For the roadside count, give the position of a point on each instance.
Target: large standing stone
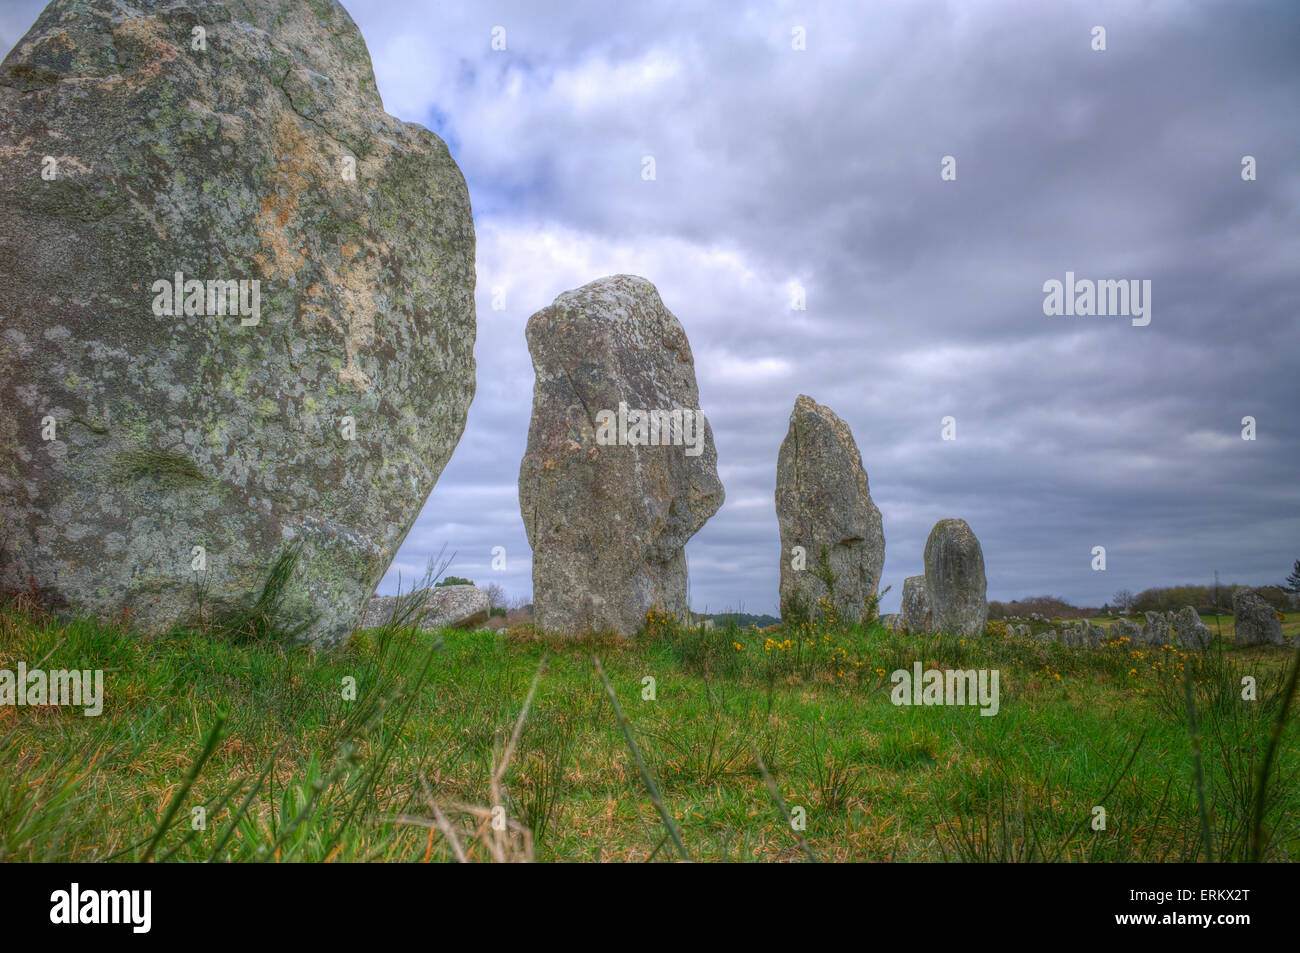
(915, 610)
(828, 523)
(1189, 631)
(1254, 621)
(131, 433)
(442, 607)
(955, 586)
(620, 469)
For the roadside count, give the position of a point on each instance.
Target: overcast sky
(820, 167)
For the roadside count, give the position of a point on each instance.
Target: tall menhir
(620, 469)
(236, 310)
(832, 535)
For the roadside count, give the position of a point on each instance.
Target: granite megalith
(1156, 630)
(1125, 629)
(236, 310)
(832, 536)
(915, 611)
(955, 585)
(1254, 621)
(439, 607)
(620, 468)
(1189, 631)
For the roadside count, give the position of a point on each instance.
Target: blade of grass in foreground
(209, 746)
(644, 771)
(1197, 767)
(1261, 788)
(498, 772)
(780, 803)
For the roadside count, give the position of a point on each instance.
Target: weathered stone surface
(232, 163)
(891, 620)
(1189, 631)
(608, 521)
(1156, 631)
(915, 609)
(1254, 620)
(445, 607)
(955, 586)
(824, 507)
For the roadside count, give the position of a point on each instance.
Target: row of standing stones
(608, 529)
(148, 457)
(1254, 623)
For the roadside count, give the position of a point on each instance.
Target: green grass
(286, 768)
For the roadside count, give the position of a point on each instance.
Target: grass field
(743, 732)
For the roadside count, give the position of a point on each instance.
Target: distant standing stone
(826, 516)
(915, 610)
(1189, 630)
(955, 585)
(445, 607)
(1126, 629)
(1254, 620)
(1083, 634)
(1156, 630)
